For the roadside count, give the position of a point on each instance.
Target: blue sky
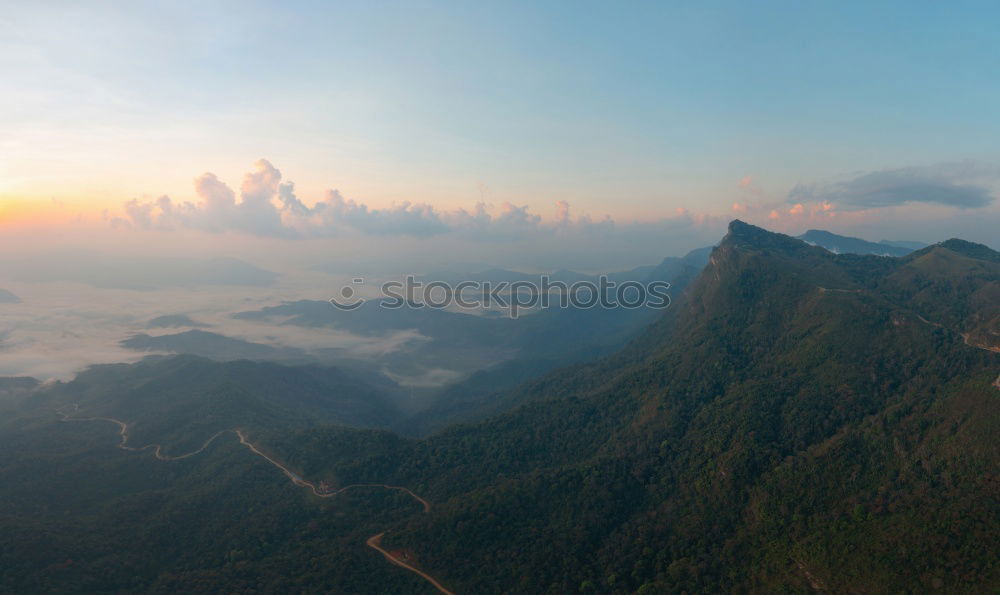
(631, 110)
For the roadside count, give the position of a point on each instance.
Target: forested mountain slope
(180, 401)
(798, 420)
(793, 423)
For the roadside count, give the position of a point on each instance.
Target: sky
(207, 158)
(580, 134)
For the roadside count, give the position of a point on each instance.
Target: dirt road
(373, 542)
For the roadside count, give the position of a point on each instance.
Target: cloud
(746, 184)
(965, 185)
(562, 212)
(217, 209)
(140, 213)
(62, 328)
(405, 218)
(256, 211)
(268, 206)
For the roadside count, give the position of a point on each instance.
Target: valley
(320, 492)
(796, 420)
(499, 298)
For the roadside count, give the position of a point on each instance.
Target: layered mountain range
(797, 420)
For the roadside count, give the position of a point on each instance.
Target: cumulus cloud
(965, 185)
(269, 206)
(259, 210)
(140, 213)
(746, 184)
(256, 211)
(562, 212)
(335, 212)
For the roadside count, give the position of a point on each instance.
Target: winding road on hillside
(965, 336)
(374, 542)
(965, 339)
(814, 582)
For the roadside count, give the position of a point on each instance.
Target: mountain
(17, 384)
(7, 297)
(682, 269)
(211, 345)
(797, 420)
(794, 423)
(552, 339)
(848, 245)
(909, 245)
(490, 355)
(173, 321)
(667, 270)
(954, 285)
(13, 389)
(182, 400)
(787, 424)
(491, 275)
(570, 277)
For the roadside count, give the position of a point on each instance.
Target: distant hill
(13, 388)
(7, 297)
(552, 339)
(17, 383)
(790, 423)
(955, 272)
(182, 400)
(904, 244)
(679, 271)
(211, 345)
(847, 245)
(669, 268)
(497, 352)
(173, 321)
(797, 421)
(493, 275)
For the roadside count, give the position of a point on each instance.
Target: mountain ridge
(796, 418)
(799, 365)
(845, 244)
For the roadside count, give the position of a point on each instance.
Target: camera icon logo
(348, 299)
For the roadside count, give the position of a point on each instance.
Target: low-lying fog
(59, 328)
